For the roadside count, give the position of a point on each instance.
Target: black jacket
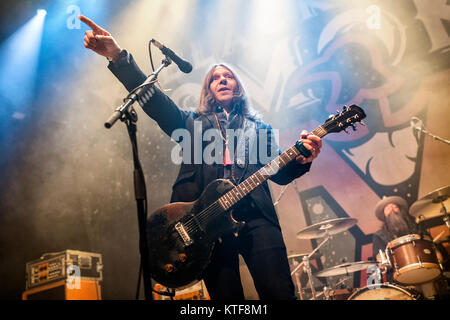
(193, 178)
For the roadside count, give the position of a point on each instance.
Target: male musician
(223, 105)
(393, 212)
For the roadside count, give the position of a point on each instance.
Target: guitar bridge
(183, 234)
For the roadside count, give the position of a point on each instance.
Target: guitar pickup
(183, 234)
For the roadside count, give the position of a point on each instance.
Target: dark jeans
(261, 245)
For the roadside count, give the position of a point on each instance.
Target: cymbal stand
(307, 267)
(328, 290)
(298, 282)
(446, 214)
(283, 191)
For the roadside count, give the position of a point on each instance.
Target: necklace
(226, 156)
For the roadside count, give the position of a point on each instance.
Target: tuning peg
(362, 123)
(345, 130)
(344, 108)
(353, 126)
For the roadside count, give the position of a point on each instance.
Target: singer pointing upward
(223, 105)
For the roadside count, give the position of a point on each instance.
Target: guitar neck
(248, 185)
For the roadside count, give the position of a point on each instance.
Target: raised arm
(159, 106)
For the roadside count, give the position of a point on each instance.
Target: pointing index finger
(90, 23)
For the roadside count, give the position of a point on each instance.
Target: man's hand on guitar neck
(313, 144)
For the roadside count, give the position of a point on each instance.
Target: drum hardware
(296, 273)
(328, 227)
(443, 254)
(301, 255)
(384, 291)
(326, 292)
(428, 290)
(413, 259)
(331, 291)
(345, 269)
(297, 280)
(324, 229)
(432, 205)
(384, 259)
(438, 236)
(283, 191)
(306, 266)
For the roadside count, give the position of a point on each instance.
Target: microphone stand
(128, 115)
(134, 95)
(422, 129)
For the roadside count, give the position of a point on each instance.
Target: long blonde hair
(208, 103)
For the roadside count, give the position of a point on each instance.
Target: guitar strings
(215, 208)
(191, 225)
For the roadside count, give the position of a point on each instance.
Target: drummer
(393, 212)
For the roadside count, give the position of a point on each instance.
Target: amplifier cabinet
(70, 265)
(62, 290)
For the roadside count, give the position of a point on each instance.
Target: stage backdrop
(67, 182)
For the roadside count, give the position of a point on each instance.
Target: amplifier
(62, 290)
(69, 265)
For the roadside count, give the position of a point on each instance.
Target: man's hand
(313, 144)
(100, 41)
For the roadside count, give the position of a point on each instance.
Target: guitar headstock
(348, 117)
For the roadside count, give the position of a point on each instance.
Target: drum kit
(420, 264)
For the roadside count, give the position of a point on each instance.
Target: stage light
(19, 55)
(41, 12)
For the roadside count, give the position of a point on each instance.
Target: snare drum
(413, 259)
(383, 292)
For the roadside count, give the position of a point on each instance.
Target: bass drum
(383, 292)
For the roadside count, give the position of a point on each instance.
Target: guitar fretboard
(230, 198)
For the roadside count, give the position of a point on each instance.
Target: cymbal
(430, 205)
(320, 230)
(345, 268)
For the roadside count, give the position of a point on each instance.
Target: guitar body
(176, 261)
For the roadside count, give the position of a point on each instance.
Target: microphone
(183, 65)
(416, 123)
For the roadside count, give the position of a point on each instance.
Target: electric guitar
(181, 235)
